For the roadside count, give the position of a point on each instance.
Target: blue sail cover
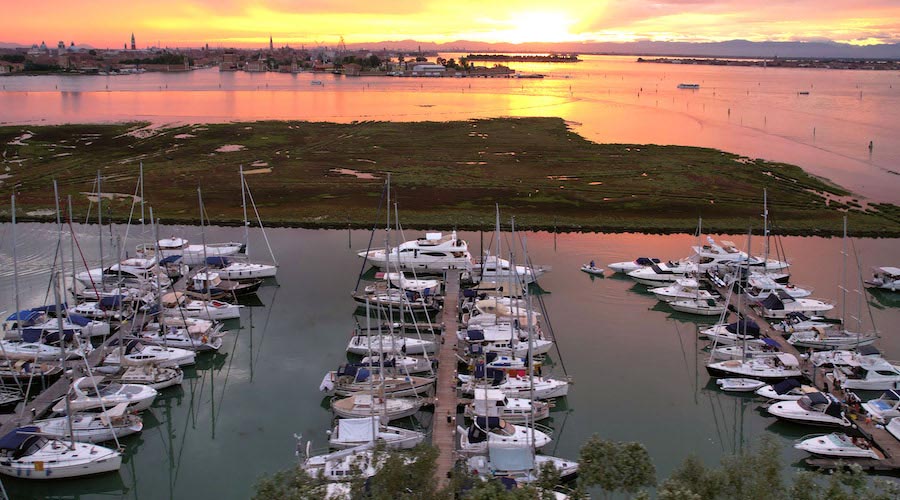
(50, 308)
(77, 319)
(26, 318)
(771, 343)
(475, 335)
(785, 386)
(362, 375)
(170, 260)
(111, 301)
(217, 261)
(14, 439)
(745, 326)
(487, 422)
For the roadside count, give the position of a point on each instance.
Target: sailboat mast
(371, 378)
(62, 255)
(16, 267)
(246, 221)
(765, 231)
(142, 200)
(62, 355)
(843, 286)
(530, 359)
(72, 242)
(100, 224)
(207, 281)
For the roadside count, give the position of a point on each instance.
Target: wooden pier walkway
(882, 439)
(443, 433)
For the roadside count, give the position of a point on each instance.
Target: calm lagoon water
(637, 367)
(751, 111)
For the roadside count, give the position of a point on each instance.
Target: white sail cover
(357, 429)
(510, 457)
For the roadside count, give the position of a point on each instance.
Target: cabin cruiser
(494, 403)
(885, 278)
(177, 304)
(516, 387)
(134, 352)
(815, 408)
(423, 287)
(230, 269)
(759, 287)
(883, 408)
(739, 384)
(838, 445)
(662, 274)
(193, 334)
(737, 332)
(501, 341)
(726, 254)
(773, 368)
(682, 289)
(135, 271)
(634, 265)
(192, 255)
(116, 422)
(518, 463)
(798, 322)
(702, 307)
(868, 373)
(492, 268)
(351, 432)
(786, 390)
(779, 305)
(830, 338)
(363, 345)
(367, 405)
(433, 253)
(95, 392)
(494, 430)
(26, 454)
(209, 286)
(399, 301)
(350, 379)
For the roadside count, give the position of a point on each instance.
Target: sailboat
(352, 432)
(494, 430)
(113, 423)
(25, 453)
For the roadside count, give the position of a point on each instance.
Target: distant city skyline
(250, 23)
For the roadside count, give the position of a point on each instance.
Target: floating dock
(443, 433)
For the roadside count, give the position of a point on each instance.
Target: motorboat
(350, 379)
(738, 332)
(397, 364)
(662, 274)
(192, 334)
(779, 305)
(236, 270)
(797, 322)
(209, 285)
(592, 270)
(760, 287)
(701, 307)
(177, 304)
(192, 255)
(360, 462)
(769, 368)
(363, 345)
(147, 374)
(815, 408)
(116, 422)
(492, 268)
(634, 265)
(135, 271)
(868, 373)
(134, 352)
(87, 393)
(495, 403)
(883, 408)
(682, 289)
(885, 278)
(494, 430)
(518, 365)
(786, 390)
(424, 287)
(830, 338)
(518, 463)
(502, 341)
(739, 384)
(367, 405)
(513, 386)
(351, 432)
(726, 254)
(838, 445)
(24, 453)
(434, 253)
(399, 301)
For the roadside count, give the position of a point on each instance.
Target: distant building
(258, 66)
(271, 44)
(133, 46)
(229, 61)
(428, 70)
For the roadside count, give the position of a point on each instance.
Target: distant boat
(803, 92)
(316, 82)
(689, 86)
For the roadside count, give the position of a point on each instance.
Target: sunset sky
(109, 23)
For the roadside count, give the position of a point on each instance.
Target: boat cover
(50, 308)
(511, 457)
(487, 422)
(49, 337)
(356, 429)
(868, 350)
(785, 386)
(111, 301)
(771, 342)
(78, 319)
(747, 326)
(217, 261)
(14, 439)
(362, 375)
(27, 317)
(490, 357)
(475, 335)
(773, 302)
(817, 398)
(170, 259)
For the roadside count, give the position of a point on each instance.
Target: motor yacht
(663, 274)
(868, 373)
(884, 408)
(634, 265)
(786, 390)
(838, 445)
(815, 408)
(494, 403)
(433, 253)
(885, 278)
(779, 305)
(493, 430)
(683, 289)
(700, 307)
(760, 287)
(498, 269)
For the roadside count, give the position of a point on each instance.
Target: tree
(374, 61)
(615, 466)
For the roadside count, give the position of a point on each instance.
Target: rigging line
(131, 214)
(83, 260)
(259, 219)
(87, 216)
(227, 372)
(681, 343)
(362, 268)
(864, 290)
(262, 337)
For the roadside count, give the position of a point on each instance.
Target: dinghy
(739, 384)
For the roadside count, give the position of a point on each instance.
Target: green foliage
(290, 484)
(615, 466)
(166, 58)
(13, 58)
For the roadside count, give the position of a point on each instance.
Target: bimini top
(14, 440)
(27, 317)
(773, 302)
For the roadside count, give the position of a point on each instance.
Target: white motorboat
(734, 333)
(493, 430)
(494, 403)
(493, 269)
(634, 265)
(514, 364)
(838, 445)
(779, 305)
(350, 379)
(345, 465)
(135, 352)
(885, 278)
(843, 357)
(894, 428)
(831, 338)
(420, 286)
(433, 253)
(176, 304)
(682, 289)
(591, 269)
(113, 423)
(883, 408)
(726, 254)
(518, 463)
(868, 373)
(145, 374)
(389, 344)
(514, 387)
(397, 364)
(701, 307)
(238, 270)
(192, 255)
(351, 432)
(739, 384)
(88, 393)
(786, 390)
(135, 271)
(26, 454)
(760, 287)
(367, 405)
(815, 408)
(662, 274)
(502, 341)
(770, 368)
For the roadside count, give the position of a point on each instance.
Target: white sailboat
(24, 453)
(494, 403)
(367, 405)
(352, 432)
(113, 423)
(94, 392)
